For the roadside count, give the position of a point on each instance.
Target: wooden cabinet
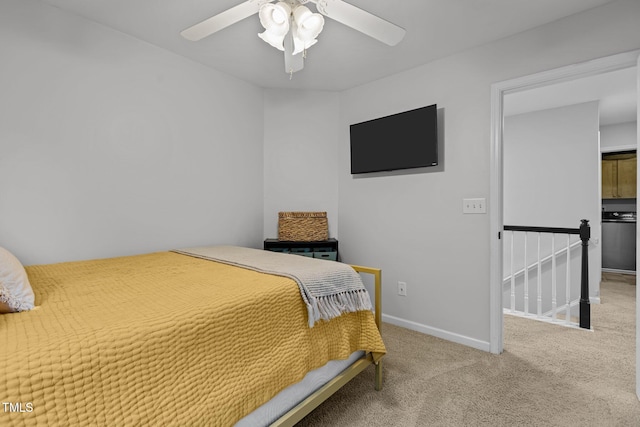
(609, 179)
(619, 176)
(627, 184)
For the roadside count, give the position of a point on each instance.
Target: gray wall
(551, 161)
(619, 137)
(111, 146)
(300, 155)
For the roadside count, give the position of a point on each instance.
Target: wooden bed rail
(377, 274)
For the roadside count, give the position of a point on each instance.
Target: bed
(190, 337)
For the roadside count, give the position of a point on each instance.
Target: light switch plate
(474, 206)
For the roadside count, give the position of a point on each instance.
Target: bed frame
(314, 400)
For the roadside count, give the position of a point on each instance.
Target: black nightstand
(325, 249)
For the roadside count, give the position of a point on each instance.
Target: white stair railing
(517, 283)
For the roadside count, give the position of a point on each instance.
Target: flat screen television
(400, 141)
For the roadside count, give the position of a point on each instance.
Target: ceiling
(342, 58)
(616, 92)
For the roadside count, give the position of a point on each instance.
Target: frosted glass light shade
(309, 24)
(307, 27)
(299, 45)
(274, 40)
(275, 18)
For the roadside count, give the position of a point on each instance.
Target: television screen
(400, 141)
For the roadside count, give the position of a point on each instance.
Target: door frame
(498, 92)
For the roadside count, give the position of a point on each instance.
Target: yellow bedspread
(161, 339)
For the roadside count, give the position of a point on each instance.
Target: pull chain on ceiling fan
(292, 27)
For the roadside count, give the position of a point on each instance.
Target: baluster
(568, 291)
(554, 301)
(539, 280)
(513, 277)
(526, 277)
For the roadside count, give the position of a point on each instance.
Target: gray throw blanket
(328, 288)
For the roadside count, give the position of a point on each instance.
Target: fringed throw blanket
(328, 289)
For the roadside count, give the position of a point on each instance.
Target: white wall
(412, 226)
(551, 163)
(300, 151)
(111, 146)
(620, 136)
(551, 166)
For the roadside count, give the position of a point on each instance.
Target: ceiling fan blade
(222, 20)
(361, 20)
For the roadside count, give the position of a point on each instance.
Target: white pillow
(15, 290)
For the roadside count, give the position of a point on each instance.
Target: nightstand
(325, 249)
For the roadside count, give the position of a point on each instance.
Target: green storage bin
(309, 254)
(323, 249)
(285, 250)
(300, 250)
(328, 255)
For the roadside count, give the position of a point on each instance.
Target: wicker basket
(302, 226)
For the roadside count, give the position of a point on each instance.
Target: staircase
(546, 275)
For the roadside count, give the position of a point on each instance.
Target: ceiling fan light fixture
(307, 26)
(300, 44)
(274, 40)
(291, 27)
(275, 18)
(308, 23)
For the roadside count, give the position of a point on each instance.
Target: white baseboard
(436, 332)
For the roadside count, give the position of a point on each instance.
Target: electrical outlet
(402, 289)
(474, 206)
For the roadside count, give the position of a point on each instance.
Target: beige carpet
(548, 375)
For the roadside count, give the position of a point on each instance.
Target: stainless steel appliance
(619, 241)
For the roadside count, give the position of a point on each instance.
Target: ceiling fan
(292, 27)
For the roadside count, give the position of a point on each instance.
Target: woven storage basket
(302, 226)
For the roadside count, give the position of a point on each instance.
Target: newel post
(585, 308)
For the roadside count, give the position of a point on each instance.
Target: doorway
(499, 92)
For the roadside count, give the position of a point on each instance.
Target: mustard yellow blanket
(161, 339)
